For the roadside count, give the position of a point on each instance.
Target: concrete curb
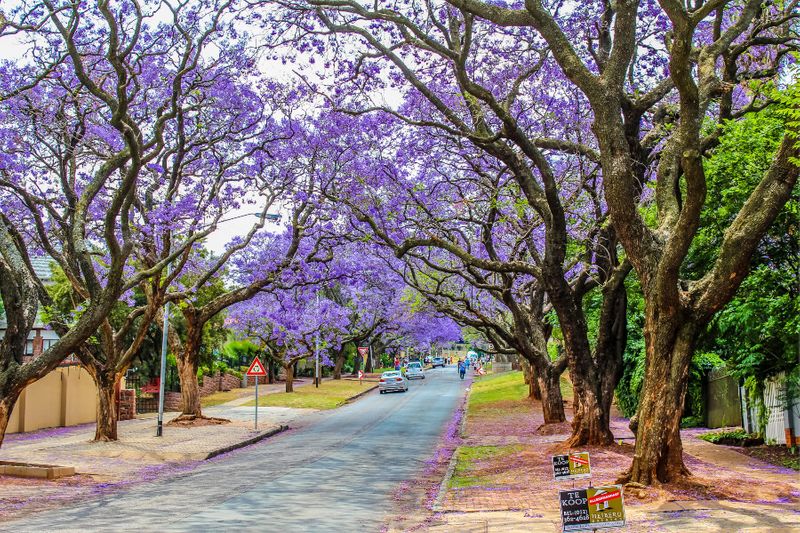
(35, 471)
(246, 442)
(351, 399)
(440, 494)
(462, 426)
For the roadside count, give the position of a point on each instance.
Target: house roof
(41, 267)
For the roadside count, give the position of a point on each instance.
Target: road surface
(336, 473)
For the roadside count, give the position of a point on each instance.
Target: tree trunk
(356, 364)
(658, 456)
(549, 384)
(534, 391)
(106, 428)
(613, 338)
(590, 423)
(6, 406)
(337, 368)
(188, 361)
(289, 377)
(596, 378)
(590, 426)
(531, 379)
(190, 388)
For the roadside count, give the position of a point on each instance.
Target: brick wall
(127, 404)
(252, 381)
(215, 382)
(211, 383)
(173, 401)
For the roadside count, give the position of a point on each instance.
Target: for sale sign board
(592, 508)
(572, 466)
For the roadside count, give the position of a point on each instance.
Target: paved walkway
(137, 455)
(675, 517)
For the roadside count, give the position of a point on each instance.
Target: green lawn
(498, 387)
(329, 395)
(222, 397)
(469, 457)
(507, 386)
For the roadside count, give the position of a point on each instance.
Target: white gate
(774, 400)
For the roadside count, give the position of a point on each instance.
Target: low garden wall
(211, 383)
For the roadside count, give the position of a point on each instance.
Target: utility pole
(316, 349)
(163, 372)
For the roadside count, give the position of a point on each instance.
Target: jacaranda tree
(652, 76)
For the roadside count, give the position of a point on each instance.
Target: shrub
(734, 437)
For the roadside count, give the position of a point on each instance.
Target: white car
(394, 380)
(414, 370)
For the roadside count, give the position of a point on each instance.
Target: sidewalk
(669, 518)
(138, 455)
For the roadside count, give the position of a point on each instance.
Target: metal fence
(146, 392)
(147, 389)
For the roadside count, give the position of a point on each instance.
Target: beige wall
(67, 396)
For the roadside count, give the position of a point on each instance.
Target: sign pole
(256, 370)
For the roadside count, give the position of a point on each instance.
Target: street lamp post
(165, 329)
(316, 350)
(163, 371)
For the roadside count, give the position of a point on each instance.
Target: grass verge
(497, 388)
(467, 471)
(507, 386)
(219, 398)
(329, 395)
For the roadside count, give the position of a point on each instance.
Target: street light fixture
(165, 327)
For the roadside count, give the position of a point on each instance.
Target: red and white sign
(481, 371)
(578, 460)
(256, 368)
(604, 497)
(360, 374)
(363, 351)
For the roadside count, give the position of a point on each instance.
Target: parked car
(393, 380)
(415, 370)
(438, 361)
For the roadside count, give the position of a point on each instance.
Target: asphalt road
(336, 473)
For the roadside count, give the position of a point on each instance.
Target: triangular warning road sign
(256, 368)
